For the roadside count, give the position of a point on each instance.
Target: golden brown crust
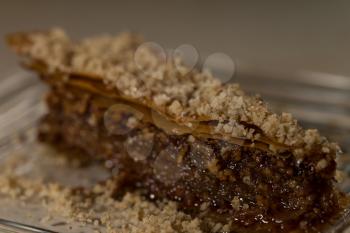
(187, 97)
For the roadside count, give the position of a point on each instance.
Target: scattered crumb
(132, 214)
(90, 206)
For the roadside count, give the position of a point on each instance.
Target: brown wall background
(273, 35)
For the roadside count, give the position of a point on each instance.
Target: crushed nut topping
(184, 96)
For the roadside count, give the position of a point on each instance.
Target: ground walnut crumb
(236, 203)
(133, 214)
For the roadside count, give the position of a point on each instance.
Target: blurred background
(296, 53)
(272, 35)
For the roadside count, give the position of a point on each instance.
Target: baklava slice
(176, 133)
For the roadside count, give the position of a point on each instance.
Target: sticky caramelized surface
(247, 187)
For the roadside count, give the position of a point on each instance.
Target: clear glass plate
(318, 106)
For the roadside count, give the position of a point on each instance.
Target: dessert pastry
(177, 133)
